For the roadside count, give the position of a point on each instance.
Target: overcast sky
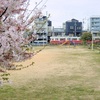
(62, 10)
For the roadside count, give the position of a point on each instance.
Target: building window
(56, 38)
(62, 39)
(71, 27)
(74, 39)
(79, 28)
(52, 39)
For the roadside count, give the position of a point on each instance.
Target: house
(73, 28)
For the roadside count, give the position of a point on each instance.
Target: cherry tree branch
(26, 6)
(33, 10)
(4, 12)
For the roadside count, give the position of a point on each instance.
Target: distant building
(58, 32)
(43, 30)
(94, 23)
(95, 26)
(73, 28)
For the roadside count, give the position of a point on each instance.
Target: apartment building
(95, 25)
(43, 30)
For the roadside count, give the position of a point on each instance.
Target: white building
(94, 23)
(43, 28)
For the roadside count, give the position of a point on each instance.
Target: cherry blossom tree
(15, 19)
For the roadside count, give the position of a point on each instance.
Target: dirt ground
(43, 65)
(56, 61)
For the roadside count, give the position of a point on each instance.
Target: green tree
(87, 36)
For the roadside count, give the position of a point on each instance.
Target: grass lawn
(59, 73)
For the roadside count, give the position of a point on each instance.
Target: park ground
(58, 73)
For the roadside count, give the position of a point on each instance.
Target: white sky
(62, 10)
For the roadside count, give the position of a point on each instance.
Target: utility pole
(92, 39)
(47, 26)
(75, 28)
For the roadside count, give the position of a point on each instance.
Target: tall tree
(14, 21)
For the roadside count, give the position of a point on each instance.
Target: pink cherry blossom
(13, 24)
